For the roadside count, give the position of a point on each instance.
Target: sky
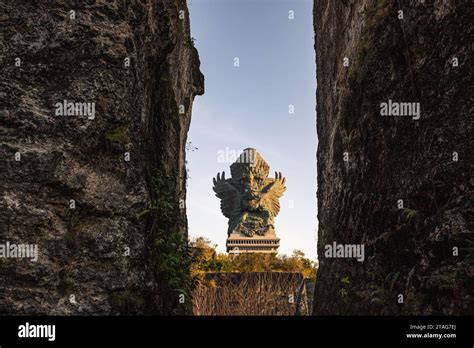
(250, 105)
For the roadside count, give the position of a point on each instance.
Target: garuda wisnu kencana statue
(250, 199)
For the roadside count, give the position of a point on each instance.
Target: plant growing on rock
(169, 243)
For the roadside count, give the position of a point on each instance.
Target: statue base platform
(242, 244)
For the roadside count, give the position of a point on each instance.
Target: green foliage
(191, 42)
(70, 239)
(383, 290)
(373, 16)
(445, 281)
(391, 279)
(206, 259)
(165, 197)
(166, 79)
(170, 245)
(175, 257)
(143, 213)
(364, 44)
(469, 252)
(119, 135)
(343, 292)
(410, 214)
(345, 281)
(125, 302)
(181, 26)
(351, 71)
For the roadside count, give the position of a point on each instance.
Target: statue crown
(250, 162)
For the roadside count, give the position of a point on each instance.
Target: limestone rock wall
(408, 249)
(80, 57)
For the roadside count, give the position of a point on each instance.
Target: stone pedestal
(238, 243)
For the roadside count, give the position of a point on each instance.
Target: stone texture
(407, 251)
(64, 158)
(250, 200)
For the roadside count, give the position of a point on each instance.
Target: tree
(207, 260)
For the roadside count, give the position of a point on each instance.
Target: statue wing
(272, 194)
(229, 196)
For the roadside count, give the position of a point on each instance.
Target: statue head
(250, 171)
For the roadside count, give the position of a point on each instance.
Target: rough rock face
(409, 243)
(81, 56)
